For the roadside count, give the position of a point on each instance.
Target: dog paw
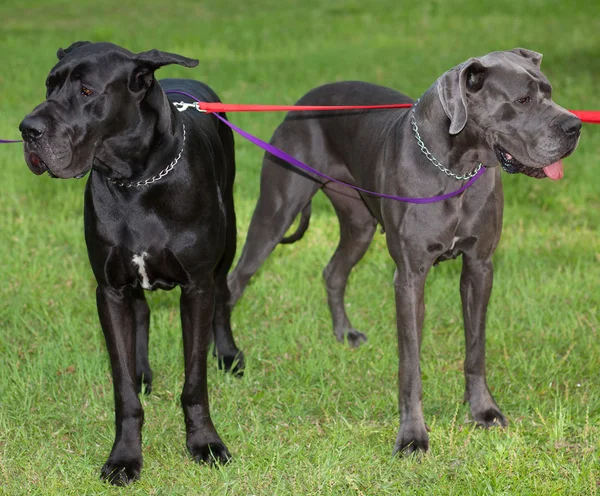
(120, 472)
(351, 336)
(490, 417)
(234, 364)
(210, 453)
(411, 440)
(409, 447)
(355, 338)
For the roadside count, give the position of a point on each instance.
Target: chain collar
(158, 176)
(431, 158)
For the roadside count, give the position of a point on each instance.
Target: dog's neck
(462, 152)
(134, 156)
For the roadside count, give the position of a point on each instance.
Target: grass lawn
(310, 416)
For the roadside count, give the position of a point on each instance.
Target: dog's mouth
(512, 166)
(37, 165)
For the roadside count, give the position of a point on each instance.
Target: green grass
(310, 416)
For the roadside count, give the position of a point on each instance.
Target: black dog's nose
(32, 128)
(571, 125)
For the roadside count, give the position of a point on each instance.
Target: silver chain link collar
(431, 158)
(158, 176)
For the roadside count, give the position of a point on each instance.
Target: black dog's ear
(453, 87)
(148, 62)
(534, 57)
(156, 59)
(62, 53)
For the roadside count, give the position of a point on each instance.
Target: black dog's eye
(86, 91)
(525, 100)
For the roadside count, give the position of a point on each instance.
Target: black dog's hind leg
(230, 358)
(357, 227)
(475, 290)
(142, 328)
(115, 308)
(197, 311)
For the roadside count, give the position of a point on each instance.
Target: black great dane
(492, 110)
(158, 214)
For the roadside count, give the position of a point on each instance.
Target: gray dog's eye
(86, 91)
(524, 100)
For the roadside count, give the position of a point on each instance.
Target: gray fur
(469, 115)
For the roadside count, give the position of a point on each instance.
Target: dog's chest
(152, 270)
(135, 259)
(139, 262)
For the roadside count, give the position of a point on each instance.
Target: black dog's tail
(302, 227)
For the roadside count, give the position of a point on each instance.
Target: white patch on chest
(138, 261)
(454, 240)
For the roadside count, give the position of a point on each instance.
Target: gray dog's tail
(302, 227)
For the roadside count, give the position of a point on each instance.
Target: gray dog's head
(94, 96)
(505, 98)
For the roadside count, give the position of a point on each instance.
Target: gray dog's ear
(150, 61)
(534, 57)
(452, 89)
(63, 53)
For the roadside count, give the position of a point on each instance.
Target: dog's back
(340, 137)
(202, 92)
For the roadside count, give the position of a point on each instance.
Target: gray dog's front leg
(475, 290)
(115, 308)
(410, 312)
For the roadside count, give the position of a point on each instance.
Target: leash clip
(183, 106)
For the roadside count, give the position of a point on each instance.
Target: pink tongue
(555, 171)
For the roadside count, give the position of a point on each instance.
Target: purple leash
(300, 165)
(9, 141)
(307, 168)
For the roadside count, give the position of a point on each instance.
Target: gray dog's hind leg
(142, 327)
(283, 195)
(357, 227)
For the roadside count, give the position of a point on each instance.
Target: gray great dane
(493, 110)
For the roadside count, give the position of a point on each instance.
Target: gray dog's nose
(32, 128)
(571, 125)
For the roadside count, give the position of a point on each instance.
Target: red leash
(210, 107)
(589, 116)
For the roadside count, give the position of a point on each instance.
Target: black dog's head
(94, 93)
(505, 98)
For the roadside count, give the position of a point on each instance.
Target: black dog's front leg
(475, 289)
(197, 310)
(115, 308)
(410, 313)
